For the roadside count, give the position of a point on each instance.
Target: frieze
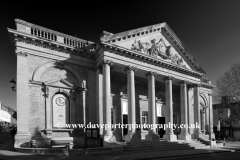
(144, 58)
(158, 50)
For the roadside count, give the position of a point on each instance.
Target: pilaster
(23, 134)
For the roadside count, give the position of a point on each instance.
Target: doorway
(161, 122)
(125, 121)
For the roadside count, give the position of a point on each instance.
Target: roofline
(19, 21)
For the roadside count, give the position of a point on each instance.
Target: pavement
(231, 150)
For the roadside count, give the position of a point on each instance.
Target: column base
(170, 137)
(22, 140)
(107, 139)
(197, 134)
(151, 136)
(212, 136)
(186, 137)
(133, 137)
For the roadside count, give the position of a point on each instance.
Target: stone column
(151, 106)
(169, 135)
(107, 133)
(99, 101)
(211, 133)
(83, 104)
(48, 123)
(184, 113)
(197, 132)
(23, 135)
(190, 111)
(131, 101)
(203, 119)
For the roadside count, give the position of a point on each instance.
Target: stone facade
(140, 76)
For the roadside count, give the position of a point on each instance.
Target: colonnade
(169, 134)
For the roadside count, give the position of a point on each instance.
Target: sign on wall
(60, 110)
(5, 116)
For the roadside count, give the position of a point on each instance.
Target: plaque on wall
(60, 106)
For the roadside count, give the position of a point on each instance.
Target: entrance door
(161, 122)
(125, 121)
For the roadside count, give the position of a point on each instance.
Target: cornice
(18, 36)
(208, 86)
(149, 59)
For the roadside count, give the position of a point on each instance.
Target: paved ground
(7, 153)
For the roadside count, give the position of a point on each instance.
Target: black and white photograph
(120, 80)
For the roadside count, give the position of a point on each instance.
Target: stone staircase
(148, 146)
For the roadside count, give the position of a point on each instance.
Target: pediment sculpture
(158, 50)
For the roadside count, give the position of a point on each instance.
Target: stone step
(160, 149)
(152, 147)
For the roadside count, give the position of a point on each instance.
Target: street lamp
(13, 85)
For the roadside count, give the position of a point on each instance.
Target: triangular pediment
(157, 41)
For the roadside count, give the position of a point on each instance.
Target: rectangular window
(124, 107)
(159, 110)
(144, 118)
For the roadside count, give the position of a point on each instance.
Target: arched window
(60, 110)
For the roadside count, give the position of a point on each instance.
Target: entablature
(147, 59)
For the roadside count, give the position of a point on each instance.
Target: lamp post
(13, 85)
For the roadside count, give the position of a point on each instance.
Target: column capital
(168, 78)
(210, 94)
(20, 53)
(151, 73)
(105, 61)
(130, 68)
(184, 82)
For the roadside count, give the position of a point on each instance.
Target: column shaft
(151, 100)
(184, 112)
(196, 111)
(169, 135)
(107, 98)
(211, 133)
(131, 99)
(99, 101)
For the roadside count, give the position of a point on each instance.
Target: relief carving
(158, 50)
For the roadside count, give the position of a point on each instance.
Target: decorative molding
(151, 73)
(205, 85)
(105, 61)
(59, 64)
(168, 78)
(183, 82)
(130, 68)
(149, 59)
(20, 53)
(195, 85)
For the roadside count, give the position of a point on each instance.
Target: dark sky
(209, 28)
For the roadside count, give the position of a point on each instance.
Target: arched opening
(60, 110)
